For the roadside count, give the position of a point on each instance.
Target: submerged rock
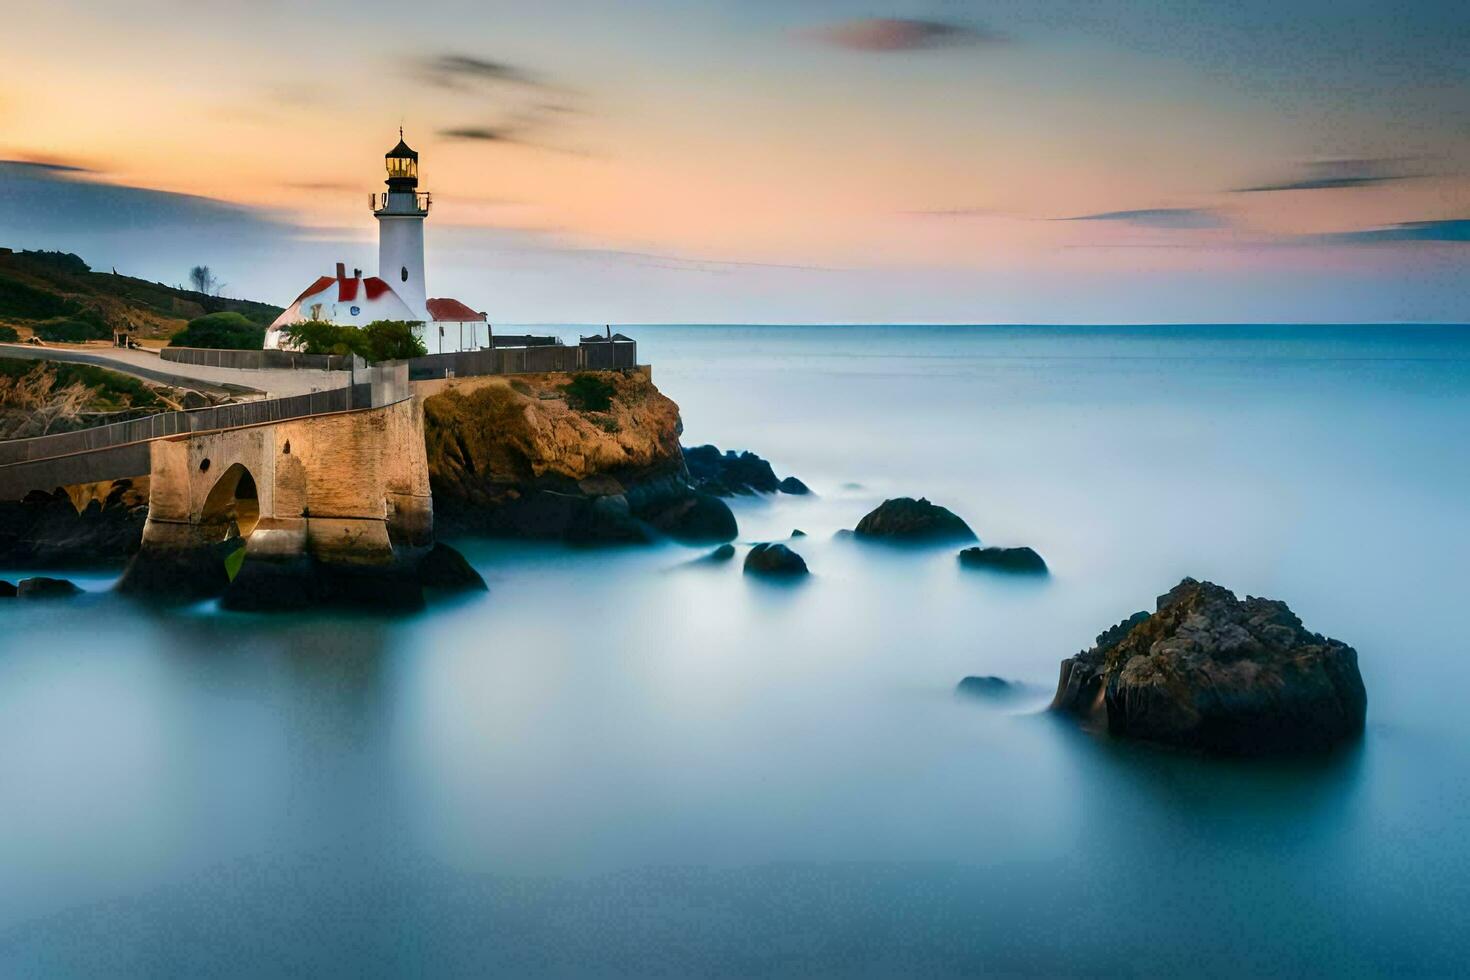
(1023, 560)
(1209, 671)
(907, 519)
(794, 487)
(721, 554)
(774, 559)
(798, 533)
(7, 590)
(988, 687)
(45, 588)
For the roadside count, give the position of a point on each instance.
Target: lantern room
(403, 166)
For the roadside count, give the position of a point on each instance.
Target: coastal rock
(45, 588)
(988, 687)
(774, 560)
(793, 486)
(731, 474)
(509, 457)
(1209, 671)
(798, 533)
(444, 568)
(908, 520)
(7, 590)
(299, 582)
(1021, 560)
(722, 554)
(90, 525)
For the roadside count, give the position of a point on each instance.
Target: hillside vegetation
(57, 296)
(39, 398)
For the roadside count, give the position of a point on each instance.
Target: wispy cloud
(1172, 218)
(481, 134)
(1323, 175)
(888, 34)
(52, 197)
(42, 166)
(1445, 230)
(461, 71)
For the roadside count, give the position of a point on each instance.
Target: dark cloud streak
(1171, 218)
(1451, 230)
(1323, 175)
(891, 34)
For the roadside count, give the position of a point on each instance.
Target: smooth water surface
(622, 762)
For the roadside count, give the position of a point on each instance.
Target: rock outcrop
(509, 457)
(91, 525)
(1020, 560)
(300, 582)
(730, 474)
(904, 519)
(774, 560)
(45, 588)
(1209, 671)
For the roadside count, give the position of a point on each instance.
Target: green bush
(220, 331)
(8, 335)
(381, 340)
(73, 331)
(589, 393)
(320, 337)
(61, 261)
(390, 340)
(24, 302)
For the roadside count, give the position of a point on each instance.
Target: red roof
(316, 287)
(375, 287)
(347, 290)
(452, 310)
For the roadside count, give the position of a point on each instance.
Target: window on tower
(404, 274)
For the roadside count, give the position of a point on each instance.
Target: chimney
(357, 273)
(341, 270)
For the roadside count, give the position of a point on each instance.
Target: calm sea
(620, 763)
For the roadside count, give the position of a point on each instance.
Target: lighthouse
(401, 213)
(397, 292)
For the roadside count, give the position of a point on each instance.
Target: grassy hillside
(58, 293)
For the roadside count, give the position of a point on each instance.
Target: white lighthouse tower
(401, 213)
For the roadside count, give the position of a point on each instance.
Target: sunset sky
(754, 160)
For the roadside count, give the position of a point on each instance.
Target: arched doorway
(233, 503)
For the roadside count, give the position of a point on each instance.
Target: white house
(397, 292)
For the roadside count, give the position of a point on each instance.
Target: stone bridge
(308, 498)
(332, 496)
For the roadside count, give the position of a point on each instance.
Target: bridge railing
(365, 395)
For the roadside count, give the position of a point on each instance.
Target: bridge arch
(234, 499)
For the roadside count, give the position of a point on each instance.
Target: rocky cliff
(587, 458)
(93, 524)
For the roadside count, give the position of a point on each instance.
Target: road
(274, 382)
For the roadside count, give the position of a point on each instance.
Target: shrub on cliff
(319, 337)
(389, 340)
(74, 331)
(220, 331)
(381, 340)
(589, 393)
